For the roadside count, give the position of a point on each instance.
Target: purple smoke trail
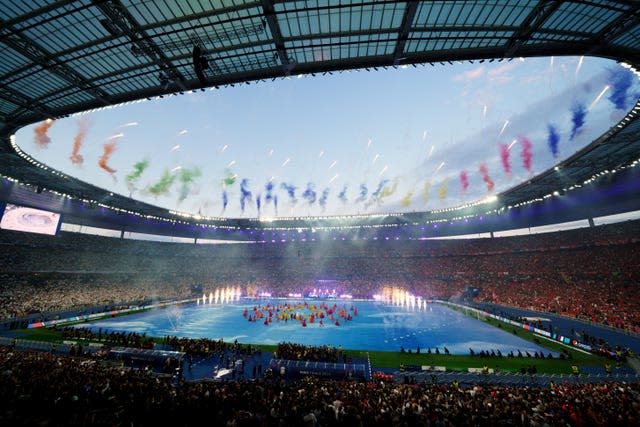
(621, 80)
(343, 195)
(578, 113)
(291, 191)
(363, 193)
(309, 194)
(553, 139)
(324, 197)
(244, 193)
(381, 185)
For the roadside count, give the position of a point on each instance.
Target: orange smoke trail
(109, 148)
(41, 138)
(83, 128)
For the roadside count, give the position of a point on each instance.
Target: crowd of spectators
(325, 353)
(204, 347)
(50, 293)
(590, 273)
(45, 389)
(112, 338)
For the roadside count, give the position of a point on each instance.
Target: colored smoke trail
(108, 150)
(504, 158)
(309, 194)
(442, 191)
(342, 196)
(553, 138)
(245, 194)
(163, 185)
(186, 178)
(363, 193)
(269, 189)
(425, 192)
(389, 191)
(291, 191)
(464, 181)
(83, 128)
(41, 138)
(138, 168)
(578, 113)
(381, 184)
(526, 154)
(621, 80)
(406, 200)
(323, 198)
(485, 176)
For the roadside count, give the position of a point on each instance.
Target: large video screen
(30, 220)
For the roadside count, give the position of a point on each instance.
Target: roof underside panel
(583, 18)
(65, 56)
(472, 14)
(297, 19)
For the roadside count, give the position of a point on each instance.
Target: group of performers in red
(302, 312)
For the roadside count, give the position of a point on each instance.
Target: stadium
(242, 212)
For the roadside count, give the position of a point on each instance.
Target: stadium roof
(63, 57)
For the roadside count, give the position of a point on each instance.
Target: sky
(392, 140)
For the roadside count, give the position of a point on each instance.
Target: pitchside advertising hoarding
(30, 220)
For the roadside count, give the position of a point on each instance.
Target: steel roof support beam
(276, 34)
(405, 28)
(23, 101)
(530, 25)
(616, 28)
(39, 55)
(125, 22)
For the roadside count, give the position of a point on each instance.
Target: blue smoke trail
(621, 80)
(269, 189)
(363, 193)
(258, 203)
(343, 195)
(381, 185)
(324, 197)
(578, 113)
(309, 194)
(225, 201)
(291, 191)
(553, 140)
(244, 193)
(275, 204)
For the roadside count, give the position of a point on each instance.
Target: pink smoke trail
(41, 138)
(464, 180)
(109, 148)
(526, 154)
(485, 176)
(83, 128)
(504, 156)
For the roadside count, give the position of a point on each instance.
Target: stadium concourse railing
(569, 342)
(577, 319)
(111, 313)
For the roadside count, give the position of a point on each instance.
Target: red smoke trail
(504, 156)
(83, 128)
(109, 148)
(526, 154)
(41, 138)
(485, 176)
(464, 180)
